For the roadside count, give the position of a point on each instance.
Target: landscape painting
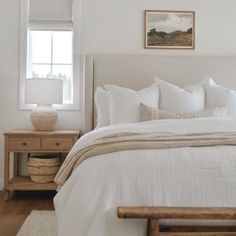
(169, 29)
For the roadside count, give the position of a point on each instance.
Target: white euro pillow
(175, 99)
(102, 107)
(124, 102)
(219, 96)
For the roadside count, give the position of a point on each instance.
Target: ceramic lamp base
(44, 118)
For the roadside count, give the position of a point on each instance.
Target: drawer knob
(24, 144)
(57, 144)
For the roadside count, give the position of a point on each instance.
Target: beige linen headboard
(138, 71)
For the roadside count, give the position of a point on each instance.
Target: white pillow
(102, 107)
(124, 102)
(175, 99)
(219, 96)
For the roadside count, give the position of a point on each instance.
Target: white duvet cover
(195, 177)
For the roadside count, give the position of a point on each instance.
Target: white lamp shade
(44, 91)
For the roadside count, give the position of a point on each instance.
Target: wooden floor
(14, 212)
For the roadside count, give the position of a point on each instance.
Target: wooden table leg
(15, 168)
(6, 195)
(6, 171)
(153, 227)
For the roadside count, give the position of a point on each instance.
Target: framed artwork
(169, 29)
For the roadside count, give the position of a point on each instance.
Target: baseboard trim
(1, 184)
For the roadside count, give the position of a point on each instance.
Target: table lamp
(44, 93)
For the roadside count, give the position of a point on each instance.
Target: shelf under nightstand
(24, 183)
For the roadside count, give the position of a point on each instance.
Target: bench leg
(153, 227)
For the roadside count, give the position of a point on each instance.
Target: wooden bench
(155, 214)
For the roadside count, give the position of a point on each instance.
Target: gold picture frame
(165, 29)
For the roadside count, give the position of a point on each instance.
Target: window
(50, 56)
(48, 47)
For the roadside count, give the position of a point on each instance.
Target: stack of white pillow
(162, 100)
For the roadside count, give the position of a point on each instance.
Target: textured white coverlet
(202, 177)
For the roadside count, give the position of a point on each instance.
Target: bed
(202, 176)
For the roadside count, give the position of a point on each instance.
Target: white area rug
(39, 223)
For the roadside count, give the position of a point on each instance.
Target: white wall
(107, 27)
(111, 26)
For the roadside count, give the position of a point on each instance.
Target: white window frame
(77, 63)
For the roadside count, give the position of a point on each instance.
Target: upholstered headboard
(138, 71)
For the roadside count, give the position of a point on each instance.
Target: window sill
(65, 107)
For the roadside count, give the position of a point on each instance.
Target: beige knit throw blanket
(139, 141)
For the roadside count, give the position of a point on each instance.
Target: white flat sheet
(196, 177)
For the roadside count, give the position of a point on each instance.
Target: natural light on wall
(49, 45)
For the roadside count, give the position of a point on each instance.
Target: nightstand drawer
(23, 143)
(57, 143)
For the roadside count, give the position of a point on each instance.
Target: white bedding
(202, 177)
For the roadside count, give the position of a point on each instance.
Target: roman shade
(50, 14)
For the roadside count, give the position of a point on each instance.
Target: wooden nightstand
(28, 141)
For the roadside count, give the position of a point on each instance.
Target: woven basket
(43, 169)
